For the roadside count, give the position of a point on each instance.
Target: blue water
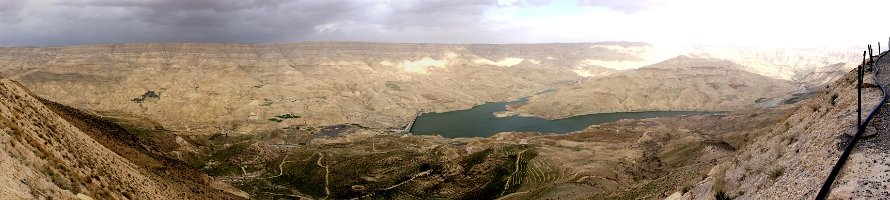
(480, 121)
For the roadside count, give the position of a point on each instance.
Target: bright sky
(760, 23)
(797, 23)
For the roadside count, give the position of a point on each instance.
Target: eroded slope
(44, 155)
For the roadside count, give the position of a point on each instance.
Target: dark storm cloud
(436, 15)
(10, 10)
(61, 22)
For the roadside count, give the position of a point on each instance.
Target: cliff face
(681, 83)
(45, 155)
(205, 88)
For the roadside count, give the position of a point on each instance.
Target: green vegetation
(393, 85)
(476, 158)
(305, 176)
(287, 116)
(391, 172)
(149, 95)
(219, 163)
(281, 118)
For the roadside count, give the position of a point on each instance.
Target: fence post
(870, 55)
(859, 96)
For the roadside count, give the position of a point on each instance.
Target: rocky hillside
(794, 158)
(681, 83)
(50, 151)
(204, 88)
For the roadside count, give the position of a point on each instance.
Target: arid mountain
(208, 88)
(681, 83)
(823, 75)
(786, 64)
(52, 151)
(193, 87)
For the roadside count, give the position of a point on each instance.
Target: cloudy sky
(771, 23)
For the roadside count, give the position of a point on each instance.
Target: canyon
(316, 120)
(203, 88)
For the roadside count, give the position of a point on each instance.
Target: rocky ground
(866, 175)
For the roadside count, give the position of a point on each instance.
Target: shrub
(720, 195)
(776, 173)
(287, 116)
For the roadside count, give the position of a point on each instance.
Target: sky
(754, 23)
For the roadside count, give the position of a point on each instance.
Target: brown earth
(52, 151)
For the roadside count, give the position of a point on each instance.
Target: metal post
(870, 55)
(863, 57)
(879, 48)
(859, 98)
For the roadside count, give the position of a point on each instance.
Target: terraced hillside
(626, 159)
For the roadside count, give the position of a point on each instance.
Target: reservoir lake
(480, 121)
